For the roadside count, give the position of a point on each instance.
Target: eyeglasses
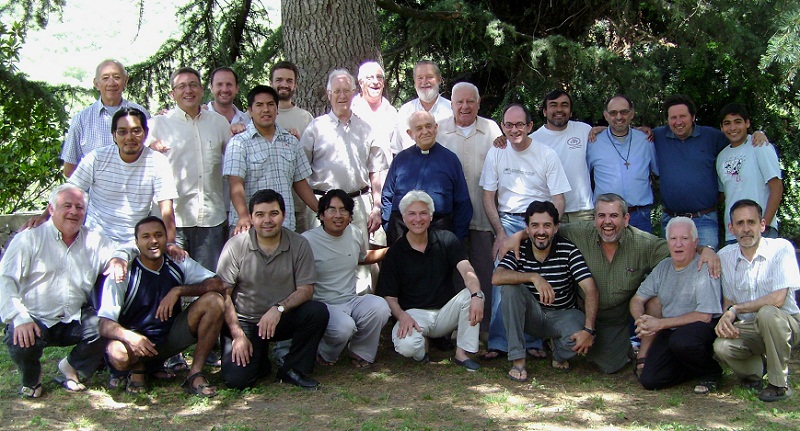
(183, 86)
(340, 91)
(510, 126)
(624, 112)
(374, 78)
(331, 211)
(137, 132)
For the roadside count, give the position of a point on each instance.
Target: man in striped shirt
(761, 318)
(539, 293)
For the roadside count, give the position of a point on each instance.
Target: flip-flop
(31, 392)
(521, 372)
(71, 385)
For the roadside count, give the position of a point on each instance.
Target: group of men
(302, 198)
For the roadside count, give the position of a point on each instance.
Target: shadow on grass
(397, 394)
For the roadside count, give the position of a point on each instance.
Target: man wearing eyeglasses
(194, 140)
(89, 129)
(621, 160)
(343, 154)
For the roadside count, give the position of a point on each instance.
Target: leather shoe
(296, 378)
(468, 364)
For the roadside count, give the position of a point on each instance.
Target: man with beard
(283, 77)
(373, 108)
(264, 156)
(224, 87)
(569, 139)
(539, 293)
(621, 160)
(512, 177)
(427, 83)
(620, 258)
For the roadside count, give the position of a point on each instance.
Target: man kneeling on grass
(539, 292)
(143, 319)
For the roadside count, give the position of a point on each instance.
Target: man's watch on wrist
(732, 309)
(478, 294)
(281, 308)
(591, 331)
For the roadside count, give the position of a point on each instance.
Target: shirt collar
(764, 251)
(695, 132)
(282, 247)
(339, 122)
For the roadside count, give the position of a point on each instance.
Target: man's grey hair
(368, 67)
(109, 61)
(416, 196)
(675, 221)
(65, 188)
(612, 198)
(340, 72)
(429, 63)
(468, 85)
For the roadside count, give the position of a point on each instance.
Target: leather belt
(690, 215)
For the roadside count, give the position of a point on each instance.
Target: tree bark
(322, 35)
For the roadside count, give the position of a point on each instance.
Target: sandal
(323, 362)
(522, 374)
(176, 364)
(774, 393)
(359, 362)
(116, 382)
(637, 370)
(31, 392)
(70, 385)
(134, 387)
(705, 387)
(163, 374)
(202, 390)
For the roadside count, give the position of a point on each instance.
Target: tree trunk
(322, 35)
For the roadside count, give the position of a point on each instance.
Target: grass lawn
(395, 394)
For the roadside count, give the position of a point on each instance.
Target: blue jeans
(707, 228)
(640, 219)
(497, 329)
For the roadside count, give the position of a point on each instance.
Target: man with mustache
(427, 83)
(539, 292)
(761, 319)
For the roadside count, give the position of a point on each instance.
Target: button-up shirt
(90, 129)
(263, 164)
(195, 154)
(774, 267)
(43, 278)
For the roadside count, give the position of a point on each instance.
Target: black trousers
(680, 355)
(304, 325)
(85, 357)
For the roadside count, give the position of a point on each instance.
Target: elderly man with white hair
(427, 83)
(675, 310)
(343, 154)
(372, 107)
(417, 283)
(470, 137)
(46, 279)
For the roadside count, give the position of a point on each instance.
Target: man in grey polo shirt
(269, 274)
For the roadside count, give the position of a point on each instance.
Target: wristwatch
(281, 308)
(591, 332)
(478, 294)
(732, 309)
